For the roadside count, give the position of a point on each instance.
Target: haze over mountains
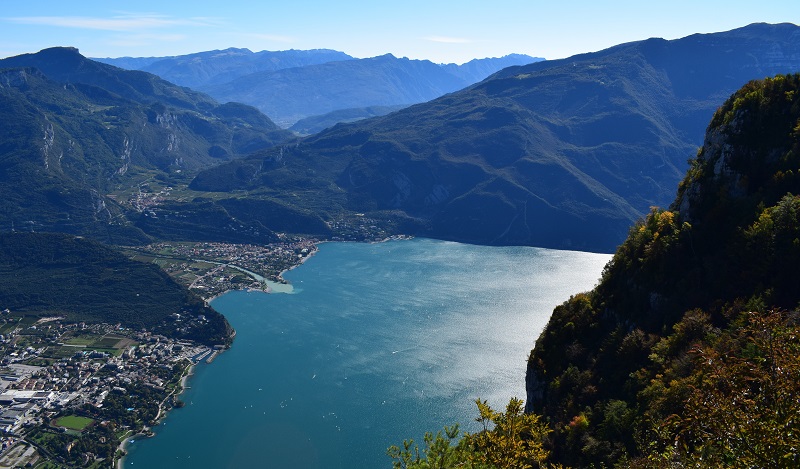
(563, 154)
(203, 69)
(292, 85)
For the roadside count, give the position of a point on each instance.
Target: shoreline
(317, 243)
(303, 261)
(162, 414)
(124, 448)
(267, 289)
(282, 281)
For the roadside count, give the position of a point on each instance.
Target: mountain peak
(242, 50)
(60, 50)
(57, 53)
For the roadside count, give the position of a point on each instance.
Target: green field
(107, 342)
(80, 340)
(47, 465)
(74, 422)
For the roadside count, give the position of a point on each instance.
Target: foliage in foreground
(625, 372)
(508, 439)
(738, 407)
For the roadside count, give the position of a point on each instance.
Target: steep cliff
(615, 365)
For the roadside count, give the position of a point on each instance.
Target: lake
(375, 344)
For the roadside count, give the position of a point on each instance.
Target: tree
(743, 402)
(508, 439)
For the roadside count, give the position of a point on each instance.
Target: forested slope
(82, 280)
(687, 350)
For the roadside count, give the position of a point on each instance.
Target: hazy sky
(441, 31)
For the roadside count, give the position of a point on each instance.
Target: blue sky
(441, 31)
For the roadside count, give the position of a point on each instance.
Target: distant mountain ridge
(292, 85)
(315, 124)
(563, 154)
(289, 95)
(479, 69)
(203, 69)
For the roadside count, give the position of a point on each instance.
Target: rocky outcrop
(727, 246)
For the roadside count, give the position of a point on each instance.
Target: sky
(446, 31)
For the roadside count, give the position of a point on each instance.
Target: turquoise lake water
(377, 343)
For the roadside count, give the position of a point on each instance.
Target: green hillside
(687, 351)
(82, 280)
(81, 138)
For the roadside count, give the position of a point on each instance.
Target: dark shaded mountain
(82, 280)
(563, 154)
(76, 130)
(67, 65)
(638, 366)
(315, 124)
(292, 94)
(204, 69)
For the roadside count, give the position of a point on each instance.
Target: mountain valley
(105, 171)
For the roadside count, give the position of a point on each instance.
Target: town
(212, 268)
(73, 393)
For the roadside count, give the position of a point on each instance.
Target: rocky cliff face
(727, 245)
(75, 131)
(745, 149)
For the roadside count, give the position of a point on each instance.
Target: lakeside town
(71, 394)
(212, 268)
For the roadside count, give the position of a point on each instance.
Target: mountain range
(292, 85)
(203, 69)
(75, 131)
(564, 153)
(684, 354)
